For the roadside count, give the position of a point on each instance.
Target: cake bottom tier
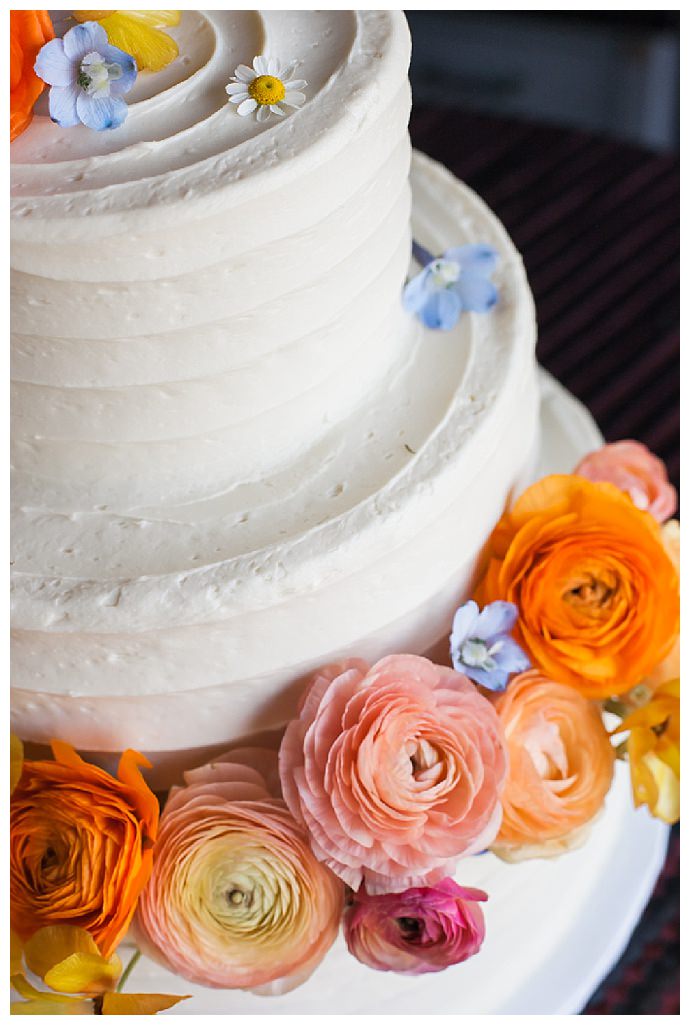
(554, 928)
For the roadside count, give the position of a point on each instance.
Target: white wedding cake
(236, 456)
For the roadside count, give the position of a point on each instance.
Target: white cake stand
(555, 927)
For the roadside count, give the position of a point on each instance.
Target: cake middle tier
(184, 626)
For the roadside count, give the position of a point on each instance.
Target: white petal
(294, 99)
(272, 66)
(247, 106)
(244, 74)
(298, 84)
(239, 97)
(276, 110)
(260, 65)
(288, 71)
(263, 113)
(232, 88)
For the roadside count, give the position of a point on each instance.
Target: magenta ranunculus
(637, 471)
(425, 929)
(395, 770)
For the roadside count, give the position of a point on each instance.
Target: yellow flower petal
(667, 804)
(23, 987)
(16, 954)
(151, 48)
(138, 1003)
(91, 15)
(84, 973)
(50, 1005)
(16, 760)
(53, 944)
(157, 18)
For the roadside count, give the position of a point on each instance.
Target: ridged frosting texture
(236, 458)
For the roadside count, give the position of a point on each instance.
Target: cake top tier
(183, 141)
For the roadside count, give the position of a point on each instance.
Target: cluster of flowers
(90, 69)
(95, 64)
(388, 775)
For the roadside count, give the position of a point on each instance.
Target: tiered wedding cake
(238, 459)
(236, 456)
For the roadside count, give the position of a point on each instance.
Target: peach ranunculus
(237, 900)
(561, 764)
(395, 771)
(596, 590)
(653, 748)
(637, 471)
(80, 845)
(29, 30)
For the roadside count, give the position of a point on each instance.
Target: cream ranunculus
(237, 900)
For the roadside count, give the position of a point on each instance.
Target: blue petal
(510, 657)
(498, 617)
(53, 66)
(122, 85)
(492, 679)
(441, 310)
(416, 292)
(100, 115)
(480, 258)
(62, 105)
(82, 39)
(476, 292)
(463, 624)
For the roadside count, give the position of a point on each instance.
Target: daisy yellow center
(266, 89)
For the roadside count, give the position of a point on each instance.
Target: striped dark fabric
(597, 224)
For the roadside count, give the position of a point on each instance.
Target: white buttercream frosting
(235, 456)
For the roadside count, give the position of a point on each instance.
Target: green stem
(128, 970)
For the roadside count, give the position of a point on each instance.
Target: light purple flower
(449, 284)
(88, 78)
(481, 646)
(424, 929)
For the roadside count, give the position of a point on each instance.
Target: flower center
(236, 897)
(543, 743)
(475, 653)
(592, 595)
(660, 728)
(266, 89)
(444, 272)
(96, 74)
(410, 928)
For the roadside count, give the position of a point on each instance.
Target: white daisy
(267, 88)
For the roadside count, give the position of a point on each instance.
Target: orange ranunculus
(80, 845)
(560, 766)
(596, 589)
(668, 668)
(653, 747)
(29, 30)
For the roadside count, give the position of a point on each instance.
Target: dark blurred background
(615, 73)
(566, 124)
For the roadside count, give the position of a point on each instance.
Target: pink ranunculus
(637, 471)
(424, 929)
(236, 899)
(395, 770)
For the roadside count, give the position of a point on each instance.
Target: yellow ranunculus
(139, 33)
(653, 747)
(16, 761)
(80, 979)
